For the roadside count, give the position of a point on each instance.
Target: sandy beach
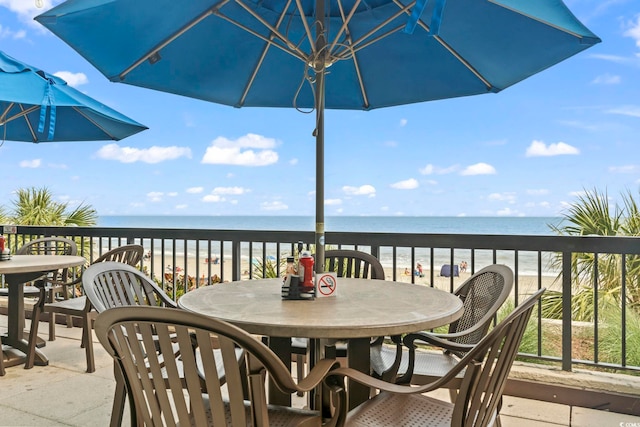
(527, 284)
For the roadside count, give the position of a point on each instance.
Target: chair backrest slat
(354, 264)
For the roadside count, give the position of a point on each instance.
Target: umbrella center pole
(319, 69)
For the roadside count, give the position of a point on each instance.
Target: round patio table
(362, 308)
(17, 271)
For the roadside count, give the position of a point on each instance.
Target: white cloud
(273, 206)
(436, 170)
(403, 122)
(634, 30)
(147, 155)
(624, 169)
(333, 202)
(363, 190)
(427, 170)
(537, 192)
(576, 194)
(625, 110)
(230, 190)
(35, 163)
(606, 79)
(155, 196)
(73, 79)
(539, 148)
(8, 33)
(195, 190)
(58, 166)
(503, 197)
(27, 9)
(172, 194)
(293, 162)
(611, 58)
(182, 207)
(213, 198)
(479, 169)
(248, 150)
(507, 212)
(407, 184)
(189, 121)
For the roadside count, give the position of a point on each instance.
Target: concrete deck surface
(63, 394)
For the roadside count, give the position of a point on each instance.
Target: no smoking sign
(327, 284)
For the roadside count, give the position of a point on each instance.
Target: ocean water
(442, 225)
(387, 224)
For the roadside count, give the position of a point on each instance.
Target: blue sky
(526, 151)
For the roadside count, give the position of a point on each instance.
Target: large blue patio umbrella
(38, 107)
(341, 54)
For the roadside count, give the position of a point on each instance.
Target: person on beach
(418, 271)
(463, 266)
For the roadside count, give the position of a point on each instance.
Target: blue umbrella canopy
(339, 54)
(36, 106)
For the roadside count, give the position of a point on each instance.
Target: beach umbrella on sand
(339, 54)
(38, 107)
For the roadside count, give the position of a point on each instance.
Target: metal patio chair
(486, 368)
(81, 306)
(49, 287)
(483, 294)
(138, 338)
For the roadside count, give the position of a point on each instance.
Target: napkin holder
(291, 289)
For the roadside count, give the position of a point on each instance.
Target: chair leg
(88, 341)
(33, 334)
(117, 411)
(300, 370)
(2, 372)
(52, 326)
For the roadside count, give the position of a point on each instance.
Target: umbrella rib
(459, 57)
(258, 66)
(348, 45)
(4, 119)
(289, 48)
(6, 111)
(96, 124)
(365, 98)
(355, 47)
(359, 44)
(170, 39)
(271, 28)
(24, 114)
(345, 22)
(307, 30)
(534, 18)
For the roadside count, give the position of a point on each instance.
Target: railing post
(236, 260)
(566, 311)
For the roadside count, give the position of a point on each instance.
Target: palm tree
(36, 206)
(592, 214)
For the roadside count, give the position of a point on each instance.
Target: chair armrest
(338, 375)
(317, 374)
(438, 340)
